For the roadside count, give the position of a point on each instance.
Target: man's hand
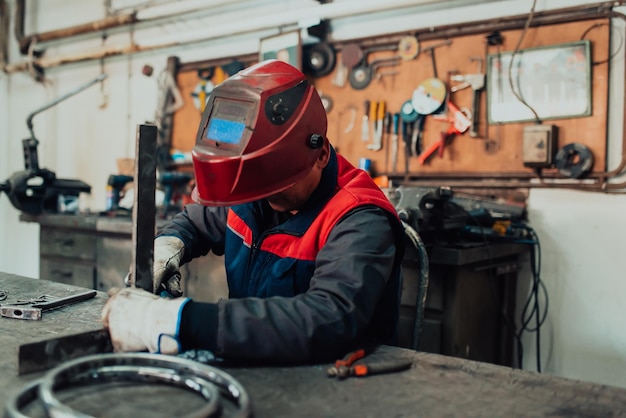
(140, 321)
(168, 253)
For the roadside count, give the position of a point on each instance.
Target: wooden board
(464, 155)
(467, 154)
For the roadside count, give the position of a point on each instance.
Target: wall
(582, 234)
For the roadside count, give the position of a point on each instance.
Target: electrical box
(539, 142)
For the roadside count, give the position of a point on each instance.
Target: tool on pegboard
(394, 142)
(477, 82)
(459, 124)
(380, 111)
(365, 131)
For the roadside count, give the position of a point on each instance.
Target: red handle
(350, 358)
(425, 155)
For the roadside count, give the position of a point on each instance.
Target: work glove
(140, 321)
(168, 253)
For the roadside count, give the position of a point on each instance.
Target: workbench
(436, 385)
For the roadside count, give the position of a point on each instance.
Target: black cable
(518, 94)
(533, 298)
(617, 50)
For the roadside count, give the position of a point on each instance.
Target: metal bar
(68, 300)
(29, 119)
(144, 207)
(46, 354)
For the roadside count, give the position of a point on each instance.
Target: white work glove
(168, 253)
(138, 321)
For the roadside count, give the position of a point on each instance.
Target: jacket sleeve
(351, 272)
(201, 228)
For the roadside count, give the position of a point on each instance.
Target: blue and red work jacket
(308, 287)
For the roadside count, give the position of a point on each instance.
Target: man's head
(292, 199)
(263, 132)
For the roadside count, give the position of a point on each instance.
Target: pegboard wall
(495, 150)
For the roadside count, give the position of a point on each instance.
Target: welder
(312, 247)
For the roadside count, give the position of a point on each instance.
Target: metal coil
(207, 381)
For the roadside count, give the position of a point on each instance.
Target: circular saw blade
(429, 96)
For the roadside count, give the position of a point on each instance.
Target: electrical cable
(617, 50)
(533, 298)
(517, 94)
(422, 288)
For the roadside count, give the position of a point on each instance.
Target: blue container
(365, 164)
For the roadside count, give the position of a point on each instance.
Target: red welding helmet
(261, 132)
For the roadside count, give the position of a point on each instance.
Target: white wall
(582, 234)
(583, 237)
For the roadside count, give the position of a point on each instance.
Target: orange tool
(349, 359)
(378, 127)
(345, 367)
(459, 123)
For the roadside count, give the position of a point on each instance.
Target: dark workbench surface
(435, 386)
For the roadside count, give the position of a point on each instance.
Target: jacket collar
(254, 213)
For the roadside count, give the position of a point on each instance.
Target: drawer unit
(72, 244)
(77, 273)
(96, 252)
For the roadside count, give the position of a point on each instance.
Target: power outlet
(539, 143)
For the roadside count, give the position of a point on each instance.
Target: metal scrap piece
(41, 304)
(43, 355)
(20, 312)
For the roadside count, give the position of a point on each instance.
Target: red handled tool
(459, 123)
(346, 367)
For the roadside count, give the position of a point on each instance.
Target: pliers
(345, 367)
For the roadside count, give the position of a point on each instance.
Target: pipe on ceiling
(4, 32)
(275, 21)
(151, 15)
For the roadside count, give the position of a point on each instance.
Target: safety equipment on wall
(261, 132)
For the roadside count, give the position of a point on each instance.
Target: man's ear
(324, 156)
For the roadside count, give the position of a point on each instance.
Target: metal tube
(275, 22)
(29, 119)
(152, 14)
